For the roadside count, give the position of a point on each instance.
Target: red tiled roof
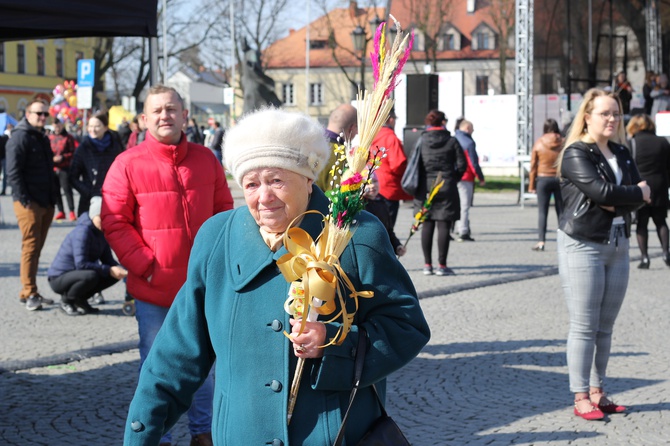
(289, 52)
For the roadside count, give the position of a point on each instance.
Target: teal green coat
(231, 309)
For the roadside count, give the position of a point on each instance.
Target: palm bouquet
(421, 216)
(312, 266)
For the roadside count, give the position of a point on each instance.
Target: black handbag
(384, 431)
(411, 177)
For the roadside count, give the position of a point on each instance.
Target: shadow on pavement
(480, 389)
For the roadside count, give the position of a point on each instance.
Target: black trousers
(80, 284)
(546, 186)
(66, 188)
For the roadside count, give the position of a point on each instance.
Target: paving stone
(494, 372)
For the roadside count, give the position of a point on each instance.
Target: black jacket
(440, 153)
(30, 166)
(89, 165)
(652, 157)
(587, 183)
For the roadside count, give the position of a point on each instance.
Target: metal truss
(654, 44)
(524, 75)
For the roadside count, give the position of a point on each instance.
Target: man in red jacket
(392, 168)
(155, 198)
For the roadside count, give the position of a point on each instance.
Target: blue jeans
(149, 320)
(594, 278)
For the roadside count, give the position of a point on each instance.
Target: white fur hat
(273, 137)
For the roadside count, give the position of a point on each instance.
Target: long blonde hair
(578, 129)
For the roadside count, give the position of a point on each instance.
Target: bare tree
(128, 58)
(503, 15)
(360, 19)
(429, 18)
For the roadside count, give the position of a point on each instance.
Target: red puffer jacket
(392, 167)
(155, 198)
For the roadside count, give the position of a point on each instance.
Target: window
(448, 42)
(20, 58)
(40, 61)
(482, 86)
(287, 94)
(419, 41)
(315, 94)
(77, 57)
(482, 39)
(2, 57)
(318, 44)
(59, 62)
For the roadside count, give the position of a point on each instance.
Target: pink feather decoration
(394, 82)
(375, 55)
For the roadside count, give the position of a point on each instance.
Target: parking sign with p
(85, 73)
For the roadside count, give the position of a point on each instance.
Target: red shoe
(60, 216)
(72, 216)
(594, 414)
(610, 407)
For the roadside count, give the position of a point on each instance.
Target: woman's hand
(646, 192)
(307, 344)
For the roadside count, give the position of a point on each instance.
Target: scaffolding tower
(654, 44)
(524, 75)
(523, 86)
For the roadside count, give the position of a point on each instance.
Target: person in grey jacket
(466, 187)
(661, 95)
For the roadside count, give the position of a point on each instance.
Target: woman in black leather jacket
(600, 186)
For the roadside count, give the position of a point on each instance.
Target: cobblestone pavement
(494, 371)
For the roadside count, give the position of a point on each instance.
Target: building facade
(33, 68)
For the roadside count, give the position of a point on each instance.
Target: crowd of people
(155, 194)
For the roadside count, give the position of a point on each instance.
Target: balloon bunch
(64, 104)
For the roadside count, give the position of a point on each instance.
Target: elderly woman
(231, 308)
(600, 186)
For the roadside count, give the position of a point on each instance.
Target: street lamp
(358, 37)
(360, 42)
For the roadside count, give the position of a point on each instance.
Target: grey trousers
(466, 191)
(594, 278)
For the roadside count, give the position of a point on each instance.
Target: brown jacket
(544, 156)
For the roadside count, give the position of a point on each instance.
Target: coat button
(277, 442)
(136, 426)
(275, 386)
(276, 325)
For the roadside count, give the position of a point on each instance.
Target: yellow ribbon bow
(319, 272)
